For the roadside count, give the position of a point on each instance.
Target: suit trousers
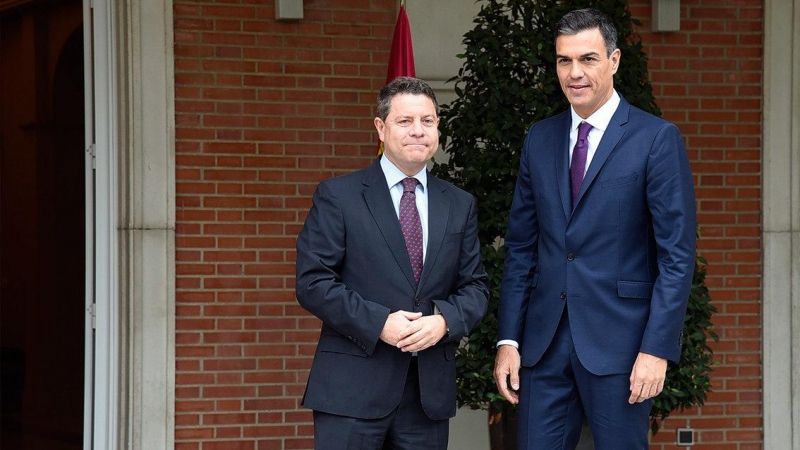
(558, 393)
(407, 427)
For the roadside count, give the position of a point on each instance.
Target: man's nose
(575, 70)
(417, 129)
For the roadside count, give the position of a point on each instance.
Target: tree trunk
(503, 420)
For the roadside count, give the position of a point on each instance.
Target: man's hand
(395, 324)
(422, 333)
(647, 377)
(506, 368)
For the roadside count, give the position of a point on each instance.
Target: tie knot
(583, 130)
(410, 184)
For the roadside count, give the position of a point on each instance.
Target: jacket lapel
(379, 201)
(561, 144)
(438, 216)
(611, 137)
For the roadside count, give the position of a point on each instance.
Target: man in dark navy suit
(600, 251)
(389, 260)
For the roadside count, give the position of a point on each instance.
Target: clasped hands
(646, 381)
(413, 332)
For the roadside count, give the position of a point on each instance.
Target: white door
(88, 383)
(102, 343)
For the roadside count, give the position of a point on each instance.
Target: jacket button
(417, 301)
(563, 296)
(570, 256)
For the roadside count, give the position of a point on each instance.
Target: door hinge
(92, 309)
(91, 151)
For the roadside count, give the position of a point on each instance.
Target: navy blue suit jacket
(353, 270)
(621, 261)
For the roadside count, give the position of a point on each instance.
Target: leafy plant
(507, 82)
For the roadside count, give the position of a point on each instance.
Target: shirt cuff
(510, 342)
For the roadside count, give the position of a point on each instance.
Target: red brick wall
(707, 79)
(266, 109)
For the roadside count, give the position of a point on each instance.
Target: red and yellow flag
(401, 56)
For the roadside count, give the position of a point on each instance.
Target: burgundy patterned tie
(411, 225)
(578, 166)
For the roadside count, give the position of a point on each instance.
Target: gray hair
(588, 19)
(403, 85)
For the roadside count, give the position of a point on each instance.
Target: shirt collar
(394, 175)
(601, 118)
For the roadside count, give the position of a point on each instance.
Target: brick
(230, 364)
(217, 419)
(194, 433)
(229, 445)
(223, 432)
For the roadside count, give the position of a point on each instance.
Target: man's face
(410, 135)
(585, 72)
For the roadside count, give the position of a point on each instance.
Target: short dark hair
(579, 20)
(403, 85)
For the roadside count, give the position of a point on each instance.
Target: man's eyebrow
(411, 116)
(581, 56)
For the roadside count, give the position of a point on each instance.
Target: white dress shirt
(394, 178)
(599, 122)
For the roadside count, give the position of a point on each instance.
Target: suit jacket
(621, 261)
(353, 270)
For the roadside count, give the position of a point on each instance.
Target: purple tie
(578, 166)
(411, 225)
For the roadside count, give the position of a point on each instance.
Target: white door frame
(781, 225)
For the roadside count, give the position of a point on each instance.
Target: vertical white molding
(148, 224)
(781, 225)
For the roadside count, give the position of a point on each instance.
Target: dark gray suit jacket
(353, 270)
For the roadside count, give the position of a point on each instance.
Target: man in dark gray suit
(389, 260)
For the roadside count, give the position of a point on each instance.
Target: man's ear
(616, 55)
(379, 125)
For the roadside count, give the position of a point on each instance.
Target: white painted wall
(437, 29)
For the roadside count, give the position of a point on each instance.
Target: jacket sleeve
(521, 240)
(671, 201)
(320, 254)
